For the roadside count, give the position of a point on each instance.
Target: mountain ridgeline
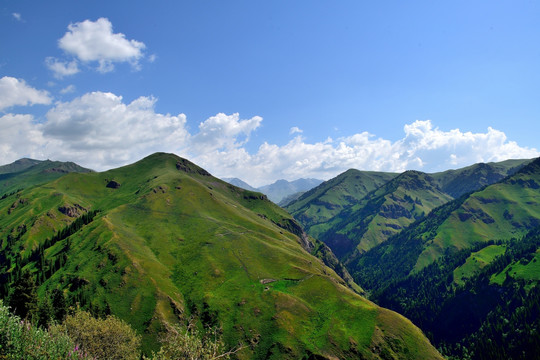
(28, 172)
(281, 192)
(162, 242)
(464, 267)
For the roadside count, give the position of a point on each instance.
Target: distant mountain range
(280, 192)
(161, 242)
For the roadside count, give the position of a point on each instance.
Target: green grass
(501, 211)
(477, 261)
(172, 242)
(528, 270)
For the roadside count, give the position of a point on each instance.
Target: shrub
(19, 339)
(109, 338)
(187, 343)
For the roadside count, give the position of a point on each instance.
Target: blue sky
(269, 90)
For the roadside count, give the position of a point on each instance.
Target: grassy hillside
(474, 258)
(381, 214)
(325, 201)
(162, 241)
(358, 210)
(471, 178)
(24, 173)
(507, 209)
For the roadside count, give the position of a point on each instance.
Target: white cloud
(68, 89)
(294, 130)
(223, 132)
(423, 147)
(62, 68)
(17, 16)
(16, 92)
(20, 137)
(95, 41)
(99, 130)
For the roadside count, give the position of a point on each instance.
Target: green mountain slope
(18, 165)
(325, 201)
(162, 241)
(507, 209)
(381, 213)
(461, 181)
(28, 172)
(468, 273)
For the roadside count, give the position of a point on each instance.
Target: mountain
(381, 213)
(279, 191)
(290, 198)
(240, 183)
(163, 241)
(19, 165)
(468, 272)
(283, 188)
(358, 210)
(461, 181)
(325, 201)
(28, 172)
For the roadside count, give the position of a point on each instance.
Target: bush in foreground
(108, 338)
(19, 339)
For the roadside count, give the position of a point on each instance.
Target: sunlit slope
(320, 204)
(170, 242)
(474, 258)
(500, 211)
(471, 178)
(382, 213)
(24, 173)
(505, 210)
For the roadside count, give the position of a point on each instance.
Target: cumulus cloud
(91, 41)
(68, 89)
(20, 137)
(61, 68)
(16, 92)
(423, 147)
(223, 133)
(17, 16)
(100, 130)
(295, 130)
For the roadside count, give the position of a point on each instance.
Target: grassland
(171, 242)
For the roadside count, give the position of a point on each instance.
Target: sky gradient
(270, 90)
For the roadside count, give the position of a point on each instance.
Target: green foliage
(188, 343)
(501, 319)
(19, 339)
(22, 297)
(109, 338)
(394, 259)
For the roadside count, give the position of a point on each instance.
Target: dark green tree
(59, 305)
(23, 296)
